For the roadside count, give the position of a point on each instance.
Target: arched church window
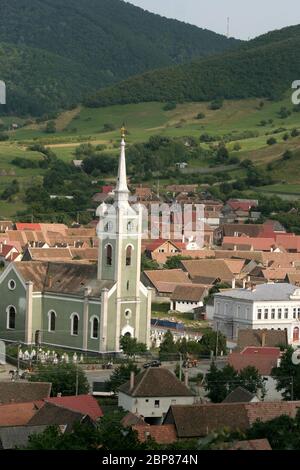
(51, 321)
(128, 255)
(74, 324)
(109, 255)
(94, 328)
(11, 318)
(127, 285)
(129, 226)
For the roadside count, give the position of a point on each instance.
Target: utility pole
(292, 388)
(180, 367)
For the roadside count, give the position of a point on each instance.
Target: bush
(216, 104)
(271, 141)
(3, 137)
(170, 106)
(200, 116)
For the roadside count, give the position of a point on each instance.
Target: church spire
(121, 190)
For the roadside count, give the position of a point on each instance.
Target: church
(81, 306)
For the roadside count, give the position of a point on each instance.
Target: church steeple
(121, 190)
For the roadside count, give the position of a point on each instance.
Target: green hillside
(264, 67)
(53, 52)
(244, 125)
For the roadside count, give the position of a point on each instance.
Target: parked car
(152, 364)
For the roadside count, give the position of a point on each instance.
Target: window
(94, 328)
(259, 314)
(128, 255)
(298, 312)
(286, 313)
(74, 324)
(273, 313)
(128, 314)
(279, 314)
(294, 313)
(11, 284)
(266, 313)
(129, 226)
(51, 321)
(173, 402)
(127, 285)
(11, 318)
(109, 255)
(156, 403)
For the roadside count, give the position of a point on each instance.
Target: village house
(213, 271)
(200, 420)
(265, 306)
(151, 393)
(187, 297)
(163, 282)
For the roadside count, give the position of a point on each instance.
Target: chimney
(263, 339)
(233, 283)
(132, 375)
(244, 283)
(186, 379)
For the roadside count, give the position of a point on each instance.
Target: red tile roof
(27, 226)
(241, 205)
(107, 189)
(17, 414)
(263, 359)
(84, 404)
(253, 444)
(162, 434)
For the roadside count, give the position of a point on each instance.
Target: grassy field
(146, 119)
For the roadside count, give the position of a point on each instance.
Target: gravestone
(2, 353)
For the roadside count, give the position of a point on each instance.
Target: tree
(63, 377)
(271, 141)
(148, 264)
(168, 346)
(108, 434)
(282, 432)
(219, 383)
(222, 154)
(50, 127)
(288, 154)
(287, 376)
(251, 380)
(212, 341)
(131, 347)
(121, 375)
(174, 262)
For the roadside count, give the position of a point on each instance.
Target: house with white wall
(186, 297)
(151, 393)
(266, 306)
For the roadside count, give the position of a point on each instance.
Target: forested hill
(263, 67)
(53, 52)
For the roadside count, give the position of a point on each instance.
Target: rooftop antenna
(228, 27)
